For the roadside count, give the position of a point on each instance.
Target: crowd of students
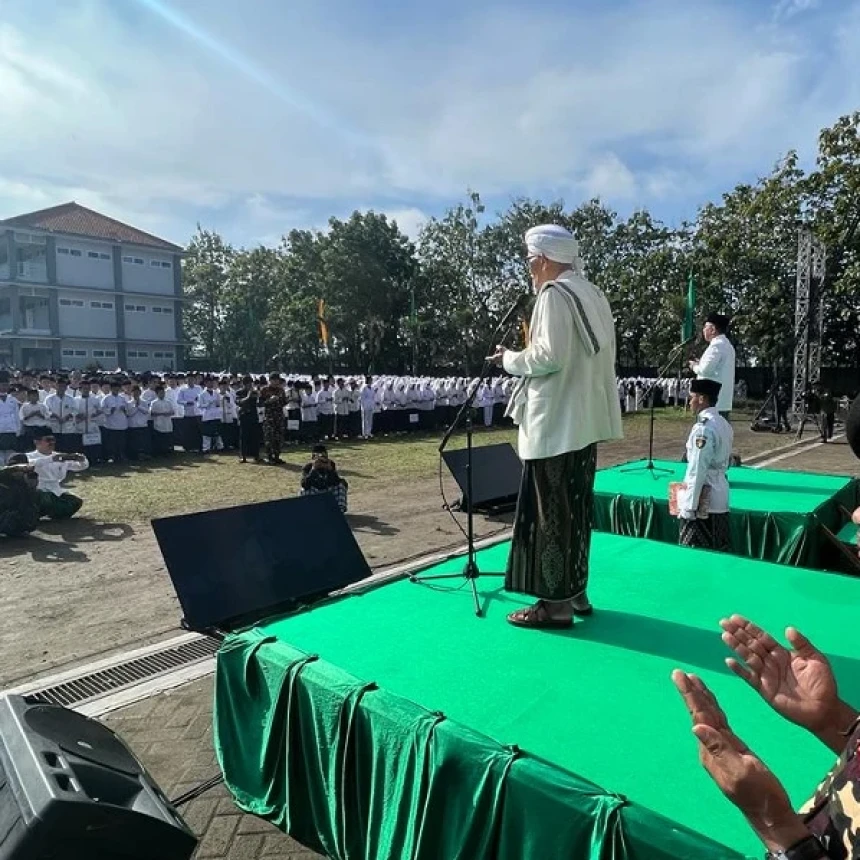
(113, 418)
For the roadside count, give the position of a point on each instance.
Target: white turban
(555, 243)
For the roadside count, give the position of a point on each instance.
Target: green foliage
(391, 305)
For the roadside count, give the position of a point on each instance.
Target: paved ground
(172, 735)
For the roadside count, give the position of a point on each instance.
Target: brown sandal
(537, 618)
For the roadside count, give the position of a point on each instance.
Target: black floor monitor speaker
(70, 789)
(234, 567)
(496, 475)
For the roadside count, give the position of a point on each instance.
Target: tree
(204, 273)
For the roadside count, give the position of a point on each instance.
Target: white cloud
(658, 101)
(789, 8)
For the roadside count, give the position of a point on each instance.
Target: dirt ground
(94, 585)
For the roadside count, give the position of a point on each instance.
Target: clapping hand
(798, 684)
(738, 772)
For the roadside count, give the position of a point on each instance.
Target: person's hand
(739, 773)
(798, 684)
(692, 363)
(498, 356)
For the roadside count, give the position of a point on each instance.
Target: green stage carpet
(775, 515)
(348, 767)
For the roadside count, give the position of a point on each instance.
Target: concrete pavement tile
(216, 841)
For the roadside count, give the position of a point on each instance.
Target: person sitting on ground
(51, 469)
(799, 684)
(19, 499)
(320, 476)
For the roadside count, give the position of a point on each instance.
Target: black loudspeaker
(70, 789)
(496, 475)
(852, 426)
(235, 567)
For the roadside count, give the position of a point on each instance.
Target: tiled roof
(74, 219)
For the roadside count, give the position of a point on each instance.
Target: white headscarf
(555, 243)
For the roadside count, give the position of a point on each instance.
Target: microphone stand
(649, 396)
(470, 570)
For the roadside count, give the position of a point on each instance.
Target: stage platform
(775, 516)
(570, 744)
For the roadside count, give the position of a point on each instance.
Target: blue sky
(255, 117)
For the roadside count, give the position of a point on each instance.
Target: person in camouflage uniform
(273, 399)
(798, 683)
(19, 499)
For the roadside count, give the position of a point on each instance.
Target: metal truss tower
(808, 318)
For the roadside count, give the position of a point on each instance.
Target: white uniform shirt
(62, 412)
(10, 420)
(325, 402)
(187, 399)
(354, 400)
(709, 448)
(116, 417)
(209, 405)
(138, 414)
(718, 363)
(309, 406)
(51, 473)
(162, 414)
(90, 418)
(341, 401)
(33, 415)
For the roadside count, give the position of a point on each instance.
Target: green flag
(688, 329)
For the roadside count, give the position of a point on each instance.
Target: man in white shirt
(51, 469)
(63, 413)
(718, 361)
(115, 423)
(10, 420)
(325, 410)
(209, 404)
(90, 419)
(162, 410)
(565, 402)
(703, 501)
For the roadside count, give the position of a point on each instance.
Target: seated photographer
(798, 683)
(19, 499)
(320, 476)
(51, 469)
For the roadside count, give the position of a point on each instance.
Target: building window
(32, 256)
(156, 309)
(75, 252)
(72, 303)
(104, 256)
(168, 355)
(63, 251)
(80, 353)
(158, 355)
(105, 306)
(34, 313)
(68, 353)
(137, 353)
(166, 265)
(93, 255)
(155, 263)
(128, 259)
(136, 308)
(65, 303)
(110, 353)
(104, 353)
(167, 310)
(138, 261)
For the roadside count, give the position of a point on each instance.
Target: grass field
(190, 482)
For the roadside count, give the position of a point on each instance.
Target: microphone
(513, 310)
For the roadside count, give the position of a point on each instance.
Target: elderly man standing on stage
(703, 501)
(565, 402)
(718, 361)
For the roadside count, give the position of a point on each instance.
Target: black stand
(649, 396)
(470, 570)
